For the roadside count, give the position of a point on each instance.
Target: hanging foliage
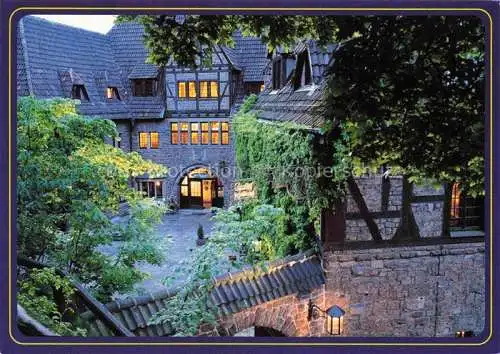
(293, 167)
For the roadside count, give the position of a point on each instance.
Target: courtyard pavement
(182, 228)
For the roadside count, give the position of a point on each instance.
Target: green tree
(252, 234)
(410, 89)
(68, 184)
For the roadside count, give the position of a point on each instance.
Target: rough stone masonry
(431, 290)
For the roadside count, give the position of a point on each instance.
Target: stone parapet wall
(432, 290)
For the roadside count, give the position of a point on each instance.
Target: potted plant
(201, 236)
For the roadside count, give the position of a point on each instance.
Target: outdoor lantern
(334, 318)
(463, 334)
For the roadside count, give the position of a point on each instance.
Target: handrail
(99, 310)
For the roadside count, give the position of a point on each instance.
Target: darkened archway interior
(201, 189)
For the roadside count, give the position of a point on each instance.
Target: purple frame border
(7, 345)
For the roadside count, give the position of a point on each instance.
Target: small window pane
(159, 189)
(143, 140)
(151, 191)
(155, 140)
(192, 89)
(204, 133)
(184, 133)
(149, 88)
(204, 89)
(195, 188)
(109, 92)
(214, 126)
(214, 89)
(182, 89)
(195, 138)
(225, 133)
(143, 187)
(174, 133)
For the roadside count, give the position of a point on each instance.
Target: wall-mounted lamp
(334, 317)
(462, 334)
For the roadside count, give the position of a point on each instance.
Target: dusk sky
(96, 23)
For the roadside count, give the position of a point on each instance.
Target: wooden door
(195, 193)
(207, 193)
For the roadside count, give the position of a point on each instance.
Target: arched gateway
(200, 188)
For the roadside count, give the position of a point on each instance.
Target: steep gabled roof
(130, 53)
(233, 292)
(303, 105)
(248, 54)
(50, 53)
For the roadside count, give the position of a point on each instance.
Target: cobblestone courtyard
(181, 227)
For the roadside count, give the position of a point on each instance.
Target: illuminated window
(192, 89)
(185, 187)
(181, 87)
(214, 89)
(204, 133)
(174, 133)
(158, 189)
(184, 133)
(112, 93)
(262, 87)
(209, 89)
(455, 201)
(204, 89)
(214, 130)
(466, 213)
(143, 140)
(151, 189)
(155, 140)
(225, 133)
(195, 135)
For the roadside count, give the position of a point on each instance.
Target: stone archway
(200, 187)
(287, 315)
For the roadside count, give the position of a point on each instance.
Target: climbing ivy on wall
(293, 167)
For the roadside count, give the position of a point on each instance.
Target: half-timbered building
(378, 207)
(176, 116)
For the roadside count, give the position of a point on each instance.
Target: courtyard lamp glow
(334, 318)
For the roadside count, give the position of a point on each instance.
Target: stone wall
(384, 202)
(180, 159)
(431, 290)
(287, 315)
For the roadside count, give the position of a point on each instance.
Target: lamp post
(334, 317)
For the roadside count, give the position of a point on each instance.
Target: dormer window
(112, 93)
(79, 92)
(303, 76)
(144, 87)
(277, 70)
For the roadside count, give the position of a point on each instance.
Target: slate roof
(53, 57)
(248, 54)
(49, 53)
(233, 293)
(301, 106)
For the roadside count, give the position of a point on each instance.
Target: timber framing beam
(363, 209)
